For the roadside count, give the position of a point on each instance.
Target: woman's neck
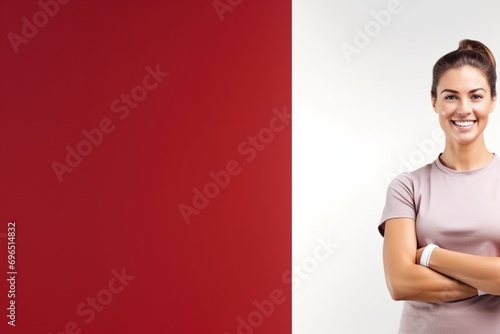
(465, 157)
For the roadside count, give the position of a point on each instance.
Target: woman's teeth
(463, 123)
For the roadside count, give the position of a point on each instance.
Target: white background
(357, 122)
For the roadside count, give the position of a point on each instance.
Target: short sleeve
(399, 201)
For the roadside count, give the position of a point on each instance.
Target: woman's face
(463, 103)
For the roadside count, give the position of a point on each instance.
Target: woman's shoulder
(417, 175)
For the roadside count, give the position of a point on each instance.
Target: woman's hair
(471, 53)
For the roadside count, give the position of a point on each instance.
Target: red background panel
(104, 247)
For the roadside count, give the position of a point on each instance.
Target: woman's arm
(482, 272)
(407, 280)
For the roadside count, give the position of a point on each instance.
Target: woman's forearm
(407, 280)
(418, 283)
(481, 272)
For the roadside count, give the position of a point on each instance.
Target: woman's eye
(477, 97)
(450, 97)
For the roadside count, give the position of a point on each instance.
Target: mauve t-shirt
(459, 211)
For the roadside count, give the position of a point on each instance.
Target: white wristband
(426, 254)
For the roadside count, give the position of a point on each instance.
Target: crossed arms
(450, 276)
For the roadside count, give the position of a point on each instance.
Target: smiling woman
(441, 222)
(464, 104)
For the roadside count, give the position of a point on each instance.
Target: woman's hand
(419, 255)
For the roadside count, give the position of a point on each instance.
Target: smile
(463, 124)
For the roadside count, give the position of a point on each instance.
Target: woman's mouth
(463, 124)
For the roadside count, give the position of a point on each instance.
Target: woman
(441, 223)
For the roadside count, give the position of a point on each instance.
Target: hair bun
(469, 44)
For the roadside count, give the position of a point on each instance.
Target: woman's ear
(493, 103)
(433, 100)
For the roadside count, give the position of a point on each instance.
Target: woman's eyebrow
(456, 92)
